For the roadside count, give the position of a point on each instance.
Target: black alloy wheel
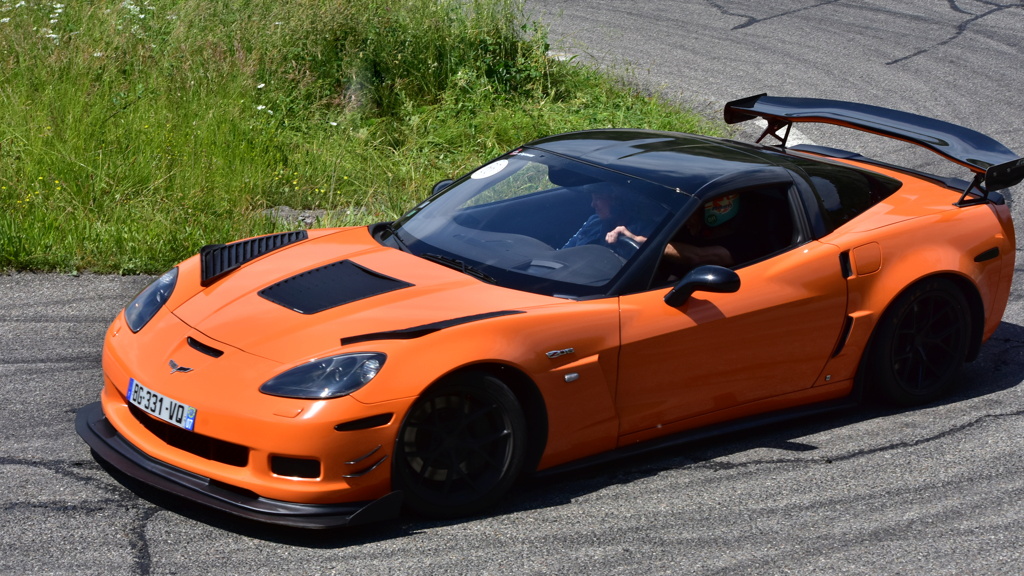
(921, 344)
(461, 447)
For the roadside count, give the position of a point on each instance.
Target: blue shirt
(594, 231)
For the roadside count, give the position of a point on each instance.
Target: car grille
(202, 446)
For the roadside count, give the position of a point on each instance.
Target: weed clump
(132, 132)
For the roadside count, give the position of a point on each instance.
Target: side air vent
(987, 255)
(845, 265)
(844, 336)
(219, 259)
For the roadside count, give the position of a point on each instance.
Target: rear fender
(964, 248)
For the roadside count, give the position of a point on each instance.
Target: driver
(613, 223)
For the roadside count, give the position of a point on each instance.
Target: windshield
(538, 222)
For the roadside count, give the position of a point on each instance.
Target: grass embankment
(133, 132)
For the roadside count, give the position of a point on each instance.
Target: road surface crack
(962, 27)
(726, 466)
(955, 6)
(753, 20)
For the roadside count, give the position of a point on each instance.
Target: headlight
(149, 301)
(326, 378)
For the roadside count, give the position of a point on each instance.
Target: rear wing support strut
(774, 125)
(976, 184)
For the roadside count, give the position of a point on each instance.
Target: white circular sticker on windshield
(489, 170)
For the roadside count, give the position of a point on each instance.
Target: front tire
(461, 447)
(921, 344)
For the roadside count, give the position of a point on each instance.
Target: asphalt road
(936, 490)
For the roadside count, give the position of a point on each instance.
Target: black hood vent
(329, 286)
(219, 259)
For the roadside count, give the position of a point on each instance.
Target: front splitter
(93, 426)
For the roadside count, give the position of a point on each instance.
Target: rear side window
(846, 192)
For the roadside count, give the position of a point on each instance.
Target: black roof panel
(672, 159)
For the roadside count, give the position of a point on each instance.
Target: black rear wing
(995, 166)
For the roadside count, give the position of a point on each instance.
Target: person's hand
(613, 236)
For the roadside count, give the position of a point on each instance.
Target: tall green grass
(132, 132)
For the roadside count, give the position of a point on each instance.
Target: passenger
(702, 239)
(700, 243)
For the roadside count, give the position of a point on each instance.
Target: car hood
(299, 302)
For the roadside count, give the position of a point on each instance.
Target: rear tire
(461, 447)
(921, 344)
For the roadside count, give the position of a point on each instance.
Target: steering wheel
(625, 246)
(623, 239)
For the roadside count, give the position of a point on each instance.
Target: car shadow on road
(999, 367)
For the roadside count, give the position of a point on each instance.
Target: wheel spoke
(477, 415)
(495, 435)
(928, 370)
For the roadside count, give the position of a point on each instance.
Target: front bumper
(100, 435)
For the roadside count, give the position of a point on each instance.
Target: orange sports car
(581, 297)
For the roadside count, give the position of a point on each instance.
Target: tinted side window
(846, 192)
(732, 230)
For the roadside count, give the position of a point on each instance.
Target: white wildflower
(260, 86)
(260, 107)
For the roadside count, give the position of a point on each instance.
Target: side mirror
(702, 279)
(441, 186)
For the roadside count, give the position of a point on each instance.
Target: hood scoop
(330, 286)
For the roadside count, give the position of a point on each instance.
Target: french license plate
(155, 403)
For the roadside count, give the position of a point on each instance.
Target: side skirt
(851, 400)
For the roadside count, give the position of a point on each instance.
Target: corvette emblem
(176, 368)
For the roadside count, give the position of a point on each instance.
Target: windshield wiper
(398, 239)
(459, 265)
